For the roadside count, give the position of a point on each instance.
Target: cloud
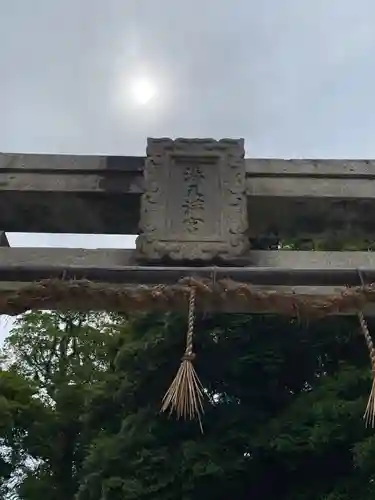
(295, 78)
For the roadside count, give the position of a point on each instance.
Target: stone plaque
(194, 204)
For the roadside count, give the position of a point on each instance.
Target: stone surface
(3, 239)
(13, 259)
(111, 258)
(194, 204)
(293, 198)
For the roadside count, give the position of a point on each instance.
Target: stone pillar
(3, 239)
(194, 204)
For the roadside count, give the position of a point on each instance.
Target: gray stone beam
(70, 194)
(254, 264)
(265, 177)
(88, 194)
(113, 258)
(304, 273)
(311, 198)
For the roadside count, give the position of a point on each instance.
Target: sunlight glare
(143, 91)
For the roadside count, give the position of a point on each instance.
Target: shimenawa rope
(223, 295)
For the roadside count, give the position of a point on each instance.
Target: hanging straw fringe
(369, 415)
(185, 395)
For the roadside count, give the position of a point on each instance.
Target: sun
(143, 91)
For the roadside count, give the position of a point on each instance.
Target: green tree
(61, 356)
(81, 397)
(18, 408)
(283, 413)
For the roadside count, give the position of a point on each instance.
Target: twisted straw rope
(223, 295)
(369, 415)
(185, 395)
(189, 355)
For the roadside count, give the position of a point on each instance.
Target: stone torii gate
(199, 209)
(198, 206)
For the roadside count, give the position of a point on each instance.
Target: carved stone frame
(226, 167)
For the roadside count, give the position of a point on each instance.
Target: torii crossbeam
(196, 204)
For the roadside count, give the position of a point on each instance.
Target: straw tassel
(185, 395)
(369, 415)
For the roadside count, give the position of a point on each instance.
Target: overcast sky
(295, 78)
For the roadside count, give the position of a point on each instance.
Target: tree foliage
(80, 401)
(52, 360)
(283, 413)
